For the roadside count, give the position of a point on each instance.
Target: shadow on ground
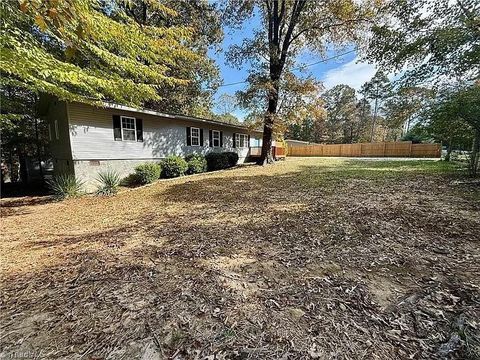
(309, 262)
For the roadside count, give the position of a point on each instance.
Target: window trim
(197, 137)
(218, 139)
(238, 143)
(134, 127)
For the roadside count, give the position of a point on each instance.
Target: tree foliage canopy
(194, 96)
(90, 51)
(290, 27)
(431, 38)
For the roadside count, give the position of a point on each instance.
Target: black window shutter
(221, 138)
(117, 130)
(234, 140)
(189, 136)
(139, 130)
(201, 137)
(248, 145)
(210, 138)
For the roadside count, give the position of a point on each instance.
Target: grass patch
(331, 172)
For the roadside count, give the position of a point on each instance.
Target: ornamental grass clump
(109, 182)
(65, 186)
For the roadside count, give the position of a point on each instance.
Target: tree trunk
(39, 156)
(267, 156)
(374, 119)
(475, 156)
(449, 149)
(22, 161)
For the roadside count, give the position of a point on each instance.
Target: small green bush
(174, 166)
(65, 186)
(109, 181)
(147, 173)
(131, 180)
(223, 160)
(232, 158)
(196, 163)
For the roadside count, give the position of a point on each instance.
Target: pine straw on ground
(308, 258)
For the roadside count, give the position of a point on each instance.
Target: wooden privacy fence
(383, 149)
(278, 152)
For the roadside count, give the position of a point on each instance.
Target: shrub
(109, 182)
(131, 180)
(147, 173)
(174, 166)
(65, 186)
(232, 158)
(218, 161)
(196, 164)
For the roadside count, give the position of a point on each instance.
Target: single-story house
(85, 139)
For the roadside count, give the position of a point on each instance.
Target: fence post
(384, 148)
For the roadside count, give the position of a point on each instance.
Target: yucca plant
(65, 186)
(109, 182)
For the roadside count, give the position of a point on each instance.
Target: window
(241, 141)
(216, 138)
(56, 130)
(195, 136)
(129, 129)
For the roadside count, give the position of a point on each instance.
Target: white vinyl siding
(91, 134)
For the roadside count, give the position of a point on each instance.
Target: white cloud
(353, 73)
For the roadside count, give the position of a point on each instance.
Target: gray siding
(94, 149)
(91, 134)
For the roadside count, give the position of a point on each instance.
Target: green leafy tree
(452, 118)
(288, 28)
(403, 107)
(312, 129)
(226, 118)
(377, 90)
(464, 105)
(342, 114)
(433, 39)
(23, 134)
(203, 18)
(299, 102)
(89, 51)
(227, 104)
(365, 120)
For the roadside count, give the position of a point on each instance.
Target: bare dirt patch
(308, 258)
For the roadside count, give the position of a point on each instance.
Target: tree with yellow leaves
(89, 51)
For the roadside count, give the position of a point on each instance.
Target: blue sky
(343, 70)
